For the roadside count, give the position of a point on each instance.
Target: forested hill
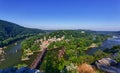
(14, 31)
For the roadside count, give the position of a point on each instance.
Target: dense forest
(66, 49)
(10, 32)
(74, 44)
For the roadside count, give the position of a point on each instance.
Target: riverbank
(1, 51)
(2, 55)
(11, 56)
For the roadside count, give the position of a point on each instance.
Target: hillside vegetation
(10, 32)
(66, 50)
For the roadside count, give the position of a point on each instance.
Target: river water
(109, 43)
(13, 55)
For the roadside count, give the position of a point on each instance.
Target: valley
(67, 50)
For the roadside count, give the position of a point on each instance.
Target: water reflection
(12, 56)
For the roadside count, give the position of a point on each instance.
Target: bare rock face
(108, 65)
(107, 61)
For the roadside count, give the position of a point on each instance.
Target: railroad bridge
(37, 62)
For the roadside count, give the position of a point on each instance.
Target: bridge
(37, 62)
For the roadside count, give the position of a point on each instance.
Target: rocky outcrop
(108, 65)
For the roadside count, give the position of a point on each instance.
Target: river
(109, 43)
(12, 56)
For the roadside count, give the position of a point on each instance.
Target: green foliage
(30, 43)
(35, 47)
(75, 43)
(100, 54)
(51, 64)
(20, 66)
(10, 32)
(118, 57)
(114, 49)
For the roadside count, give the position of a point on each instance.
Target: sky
(100, 15)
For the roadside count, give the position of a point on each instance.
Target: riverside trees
(75, 43)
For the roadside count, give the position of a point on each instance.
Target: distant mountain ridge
(11, 30)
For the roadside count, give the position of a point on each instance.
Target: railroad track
(38, 61)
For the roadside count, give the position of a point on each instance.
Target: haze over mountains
(9, 29)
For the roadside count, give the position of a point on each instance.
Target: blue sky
(63, 14)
